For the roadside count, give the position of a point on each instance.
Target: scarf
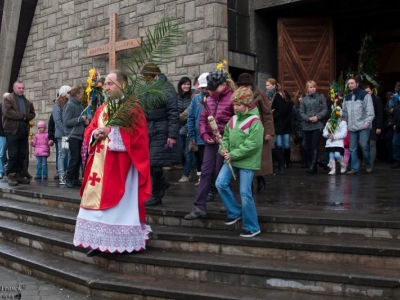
(271, 92)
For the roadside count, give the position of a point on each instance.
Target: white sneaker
(343, 167)
(62, 180)
(184, 179)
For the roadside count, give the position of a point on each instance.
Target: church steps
(283, 246)
(319, 278)
(301, 222)
(42, 215)
(56, 198)
(105, 284)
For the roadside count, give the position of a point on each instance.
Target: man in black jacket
(377, 123)
(163, 126)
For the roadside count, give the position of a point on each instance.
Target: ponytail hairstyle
(231, 84)
(273, 81)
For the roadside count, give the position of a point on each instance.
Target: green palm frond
(157, 47)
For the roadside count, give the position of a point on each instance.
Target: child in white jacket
(335, 132)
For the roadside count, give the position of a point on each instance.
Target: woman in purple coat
(220, 107)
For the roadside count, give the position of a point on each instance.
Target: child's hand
(227, 156)
(210, 141)
(331, 136)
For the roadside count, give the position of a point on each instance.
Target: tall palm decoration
(156, 47)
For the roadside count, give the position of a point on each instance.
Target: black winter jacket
(377, 123)
(163, 123)
(282, 111)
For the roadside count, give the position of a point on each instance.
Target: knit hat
(64, 90)
(41, 124)
(203, 80)
(242, 95)
(214, 79)
(245, 79)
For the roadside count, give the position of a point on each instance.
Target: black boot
(313, 164)
(304, 159)
(164, 186)
(157, 190)
(286, 156)
(278, 151)
(260, 184)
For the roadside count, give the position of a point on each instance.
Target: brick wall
(62, 31)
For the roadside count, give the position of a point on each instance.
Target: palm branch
(157, 47)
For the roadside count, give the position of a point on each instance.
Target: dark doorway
(352, 19)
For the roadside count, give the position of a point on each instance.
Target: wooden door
(305, 52)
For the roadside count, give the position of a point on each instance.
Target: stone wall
(62, 30)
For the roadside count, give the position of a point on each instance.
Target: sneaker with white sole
(62, 180)
(248, 234)
(232, 221)
(184, 179)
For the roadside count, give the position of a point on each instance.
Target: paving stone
(33, 288)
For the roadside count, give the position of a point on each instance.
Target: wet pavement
(14, 285)
(368, 196)
(375, 193)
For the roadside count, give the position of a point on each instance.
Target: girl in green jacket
(241, 147)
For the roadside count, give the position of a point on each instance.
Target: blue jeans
(187, 156)
(396, 146)
(363, 137)
(63, 157)
(41, 166)
(3, 148)
(333, 155)
(247, 210)
(283, 140)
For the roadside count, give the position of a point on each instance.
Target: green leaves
(157, 47)
(146, 92)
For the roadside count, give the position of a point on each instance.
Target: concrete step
(286, 221)
(272, 220)
(317, 278)
(363, 251)
(104, 284)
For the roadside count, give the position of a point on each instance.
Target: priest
(116, 182)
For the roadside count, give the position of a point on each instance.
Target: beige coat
(264, 106)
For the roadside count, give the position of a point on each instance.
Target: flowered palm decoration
(94, 90)
(31, 135)
(334, 120)
(222, 66)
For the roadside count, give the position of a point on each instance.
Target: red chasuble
(105, 174)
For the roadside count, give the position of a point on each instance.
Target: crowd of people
(216, 128)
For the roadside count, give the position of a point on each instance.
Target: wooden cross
(113, 46)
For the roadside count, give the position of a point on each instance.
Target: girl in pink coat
(42, 150)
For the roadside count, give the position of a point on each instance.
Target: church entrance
(318, 40)
(279, 45)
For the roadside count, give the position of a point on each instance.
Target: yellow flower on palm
(88, 90)
(225, 62)
(92, 72)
